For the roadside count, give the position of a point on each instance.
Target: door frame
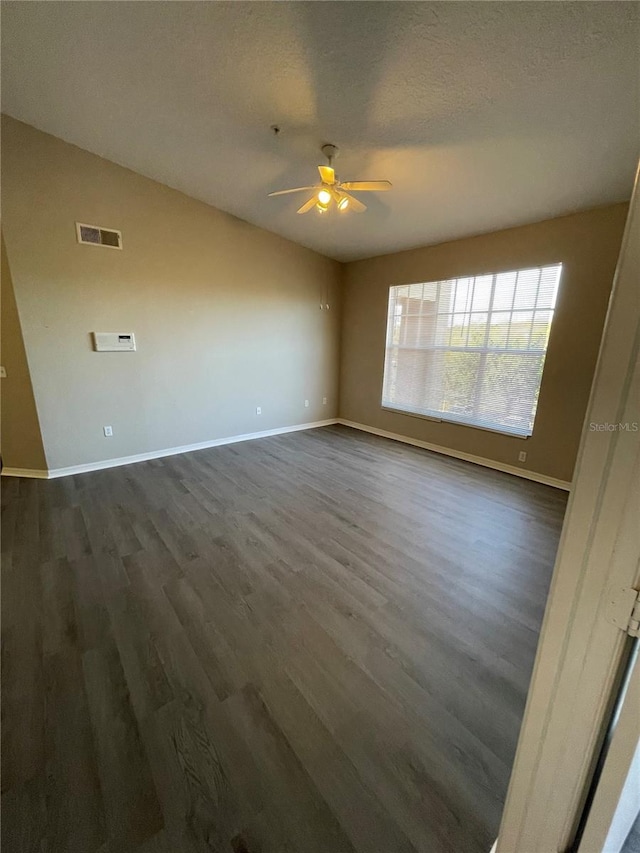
(581, 651)
(616, 800)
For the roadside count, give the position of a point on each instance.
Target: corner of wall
(341, 278)
(21, 442)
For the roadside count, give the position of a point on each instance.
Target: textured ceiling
(483, 115)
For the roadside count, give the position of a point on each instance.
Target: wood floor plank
(199, 803)
(24, 817)
(366, 822)
(131, 806)
(23, 704)
(148, 684)
(310, 643)
(75, 814)
(23, 693)
(218, 659)
(289, 789)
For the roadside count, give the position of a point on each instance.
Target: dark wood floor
(315, 642)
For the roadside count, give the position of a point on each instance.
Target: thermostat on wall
(114, 341)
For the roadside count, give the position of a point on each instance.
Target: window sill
(438, 419)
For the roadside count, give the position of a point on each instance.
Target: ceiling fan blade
(296, 190)
(306, 207)
(354, 203)
(327, 174)
(366, 186)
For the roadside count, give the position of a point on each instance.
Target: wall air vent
(93, 235)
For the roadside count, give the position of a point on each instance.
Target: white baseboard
(458, 454)
(52, 473)
(217, 442)
(495, 846)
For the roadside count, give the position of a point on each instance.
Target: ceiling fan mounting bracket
(330, 152)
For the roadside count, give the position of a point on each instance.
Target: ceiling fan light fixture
(332, 189)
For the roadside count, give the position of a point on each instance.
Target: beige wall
(20, 430)
(227, 318)
(226, 315)
(587, 243)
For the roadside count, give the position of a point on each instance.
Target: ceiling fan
(332, 190)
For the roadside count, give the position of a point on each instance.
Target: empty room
(319, 427)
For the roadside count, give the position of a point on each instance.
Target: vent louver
(93, 235)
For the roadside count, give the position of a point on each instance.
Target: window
(471, 350)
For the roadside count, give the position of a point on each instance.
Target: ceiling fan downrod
(330, 152)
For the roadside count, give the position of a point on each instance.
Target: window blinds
(471, 350)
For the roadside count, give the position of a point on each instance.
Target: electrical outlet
(306, 404)
(324, 401)
(258, 410)
(108, 431)
(522, 456)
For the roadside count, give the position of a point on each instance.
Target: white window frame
(483, 351)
